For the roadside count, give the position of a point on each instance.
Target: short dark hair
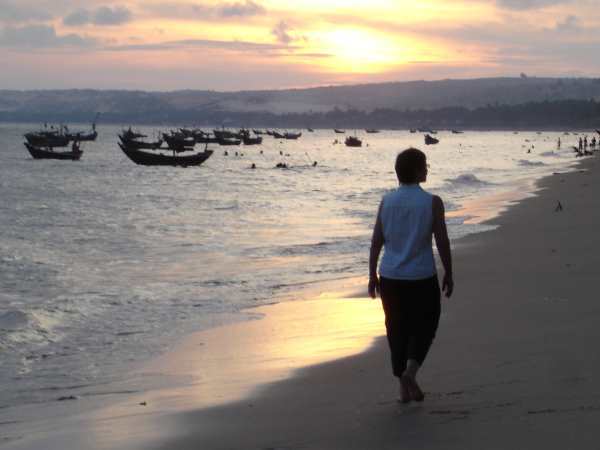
(409, 163)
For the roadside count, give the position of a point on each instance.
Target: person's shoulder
(389, 194)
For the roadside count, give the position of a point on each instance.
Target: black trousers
(412, 314)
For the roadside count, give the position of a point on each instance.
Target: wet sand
(513, 364)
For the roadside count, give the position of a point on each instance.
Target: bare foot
(414, 391)
(404, 396)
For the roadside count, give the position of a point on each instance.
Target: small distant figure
(528, 150)
(558, 144)
(226, 153)
(236, 154)
(585, 143)
(580, 144)
(280, 152)
(315, 164)
(75, 146)
(559, 206)
(253, 166)
(261, 152)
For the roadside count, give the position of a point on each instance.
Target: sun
(356, 50)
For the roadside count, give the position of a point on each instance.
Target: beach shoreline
(168, 404)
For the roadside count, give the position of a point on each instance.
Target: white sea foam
(467, 180)
(528, 163)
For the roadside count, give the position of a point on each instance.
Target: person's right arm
(443, 244)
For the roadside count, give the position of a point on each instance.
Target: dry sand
(513, 366)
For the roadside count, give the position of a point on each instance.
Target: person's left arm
(376, 245)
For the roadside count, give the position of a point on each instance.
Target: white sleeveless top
(407, 221)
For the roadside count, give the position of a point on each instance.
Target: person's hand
(373, 286)
(448, 285)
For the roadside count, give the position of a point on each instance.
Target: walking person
(407, 220)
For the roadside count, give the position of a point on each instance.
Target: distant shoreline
(476, 104)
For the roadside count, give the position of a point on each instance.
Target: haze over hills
(177, 106)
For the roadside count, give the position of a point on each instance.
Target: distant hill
(203, 106)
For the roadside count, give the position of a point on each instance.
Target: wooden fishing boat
(227, 142)
(430, 140)
(178, 141)
(47, 139)
(252, 140)
(159, 159)
(140, 145)
(372, 131)
(338, 131)
(83, 137)
(226, 134)
(206, 139)
(353, 141)
(49, 153)
(292, 136)
(278, 135)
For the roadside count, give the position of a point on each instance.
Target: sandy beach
(513, 364)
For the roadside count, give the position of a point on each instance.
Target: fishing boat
(457, 132)
(252, 140)
(278, 135)
(205, 138)
(133, 140)
(338, 131)
(178, 141)
(226, 134)
(145, 158)
(226, 142)
(413, 130)
(258, 132)
(48, 138)
(292, 136)
(353, 141)
(310, 130)
(49, 153)
(429, 140)
(81, 136)
(372, 131)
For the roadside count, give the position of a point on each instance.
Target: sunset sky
(264, 44)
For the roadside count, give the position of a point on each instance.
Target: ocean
(105, 264)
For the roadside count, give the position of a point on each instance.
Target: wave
(467, 179)
(551, 154)
(527, 163)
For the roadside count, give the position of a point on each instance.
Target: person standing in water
(407, 220)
